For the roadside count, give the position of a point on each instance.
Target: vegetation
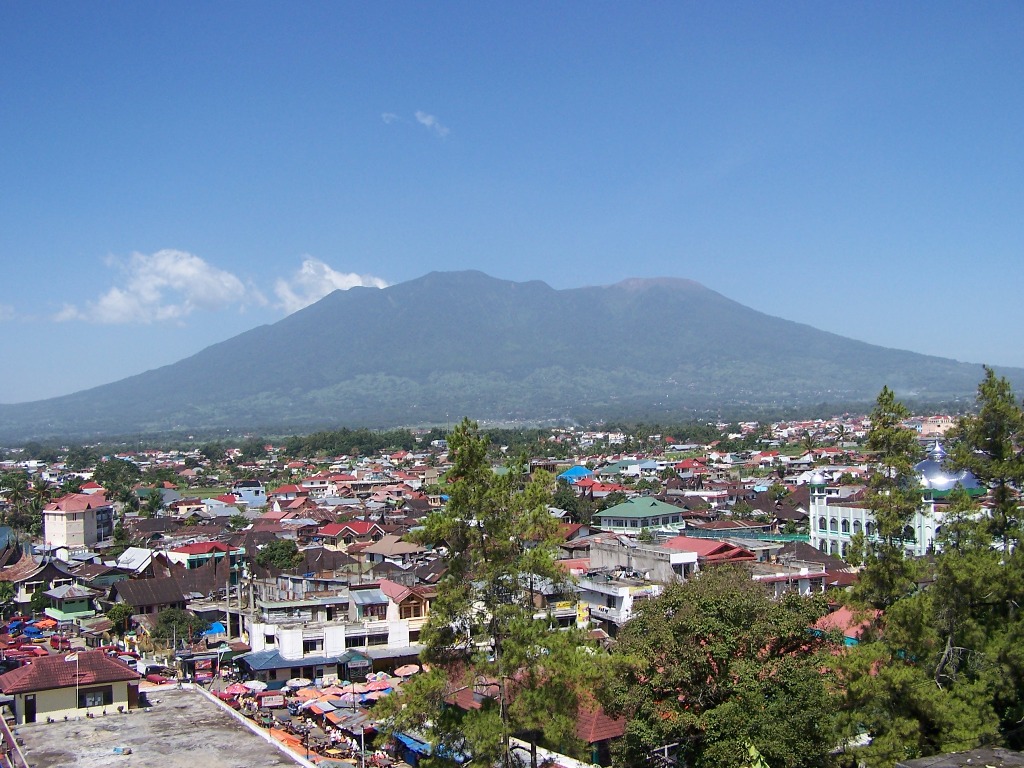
(116, 475)
(713, 667)
(894, 495)
(485, 631)
(119, 615)
(945, 671)
(280, 553)
(175, 623)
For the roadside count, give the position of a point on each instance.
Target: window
(856, 526)
(411, 610)
(846, 526)
(375, 611)
(312, 646)
(833, 525)
(822, 524)
(96, 697)
(376, 639)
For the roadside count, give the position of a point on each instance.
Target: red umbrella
(236, 689)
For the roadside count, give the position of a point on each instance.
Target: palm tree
(41, 492)
(840, 434)
(154, 503)
(16, 490)
(808, 442)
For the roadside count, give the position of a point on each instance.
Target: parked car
(59, 643)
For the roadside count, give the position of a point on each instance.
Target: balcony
(609, 614)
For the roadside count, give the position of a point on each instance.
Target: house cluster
(357, 591)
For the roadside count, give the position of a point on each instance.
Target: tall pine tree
(487, 632)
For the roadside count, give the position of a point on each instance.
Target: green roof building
(633, 515)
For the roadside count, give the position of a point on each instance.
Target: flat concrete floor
(182, 730)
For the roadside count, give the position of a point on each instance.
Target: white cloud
(389, 117)
(167, 285)
(431, 123)
(314, 280)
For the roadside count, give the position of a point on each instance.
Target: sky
(173, 174)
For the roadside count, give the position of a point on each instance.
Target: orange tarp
(288, 739)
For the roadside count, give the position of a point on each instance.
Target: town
(291, 591)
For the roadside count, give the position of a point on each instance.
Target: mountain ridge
(453, 343)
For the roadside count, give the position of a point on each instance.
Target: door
(30, 708)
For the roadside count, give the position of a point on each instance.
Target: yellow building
(70, 686)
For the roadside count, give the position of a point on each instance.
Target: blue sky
(176, 173)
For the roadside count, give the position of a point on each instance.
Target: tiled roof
(48, 672)
(593, 725)
(76, 502)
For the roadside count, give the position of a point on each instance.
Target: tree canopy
(714, 666)
(279, 553)
(488, 630)
(894, 495)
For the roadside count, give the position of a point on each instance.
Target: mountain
(452, 344)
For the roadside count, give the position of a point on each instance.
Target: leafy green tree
(565, 498)
(71, 484)
(609, 501)
(253, 448)
(116, 474)
(777, 492)
(39, 601)
(280, 553)
(893, 495)
(79, 458)
(6, 598)
(119, 615)
(238, 522)
(715, 666)
(486, 629)
(180, 624)
(212, 452)
(44, 453)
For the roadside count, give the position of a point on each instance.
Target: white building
(834, 521)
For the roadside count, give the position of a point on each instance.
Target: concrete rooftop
(183, 729)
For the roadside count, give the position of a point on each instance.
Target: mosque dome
(935, 477)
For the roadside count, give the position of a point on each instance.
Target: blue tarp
(215, 629)
(415, 745)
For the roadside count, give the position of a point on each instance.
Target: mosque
(833, 520)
